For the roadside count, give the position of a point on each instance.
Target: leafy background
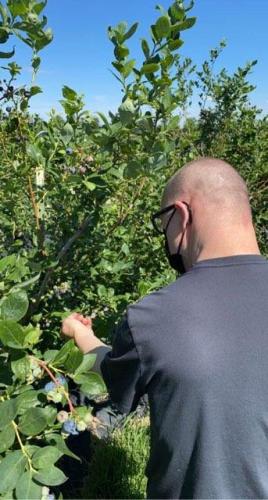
(77, 194)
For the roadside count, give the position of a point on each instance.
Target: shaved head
(214, 183)
(221, 222)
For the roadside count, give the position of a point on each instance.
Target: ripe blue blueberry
(70, 427)
(61, 379)
(49, 386)
(69, 151)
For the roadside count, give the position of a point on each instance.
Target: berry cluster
(46, 495)
(61, 289)
(35, 372)
(71, 425)
(55, 392)
(9, 93)
(74, 170)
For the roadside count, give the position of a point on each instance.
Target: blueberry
(8, 109)
(69, 151)
(70, 427)
(50, 386)
(62, 380)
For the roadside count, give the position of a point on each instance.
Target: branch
(33, 307)
(35, 205)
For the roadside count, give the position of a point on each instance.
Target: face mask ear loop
(188, 222)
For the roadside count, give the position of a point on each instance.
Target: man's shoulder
(159, 297)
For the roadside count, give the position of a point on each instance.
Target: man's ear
(184, 213)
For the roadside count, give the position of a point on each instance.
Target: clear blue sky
(80, 54)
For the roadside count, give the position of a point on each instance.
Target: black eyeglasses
(156, 218)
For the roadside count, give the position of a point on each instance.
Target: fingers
(85, 320)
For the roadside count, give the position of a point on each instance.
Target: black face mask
(175, 259)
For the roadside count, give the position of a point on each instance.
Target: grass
(118, 463)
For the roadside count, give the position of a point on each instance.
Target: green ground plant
(77, 193)
(117, 469)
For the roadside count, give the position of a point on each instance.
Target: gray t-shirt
(199, 348)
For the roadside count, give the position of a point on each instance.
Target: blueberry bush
(77, 192)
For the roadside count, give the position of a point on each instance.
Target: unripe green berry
(87, 418)
(62, 416)
(81, 426)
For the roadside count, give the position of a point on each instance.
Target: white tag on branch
(40, 176)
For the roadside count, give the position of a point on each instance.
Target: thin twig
(59, 257)
(43, 365)
(35, 205)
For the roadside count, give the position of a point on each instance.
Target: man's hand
(76, 323)
(79, 328)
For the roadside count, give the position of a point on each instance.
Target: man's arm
(79, 328)
(100, 352)
(121, 364)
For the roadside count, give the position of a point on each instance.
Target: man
(199, 346)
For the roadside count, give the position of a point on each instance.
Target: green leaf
(63, 353)
(51, 476)
(12, 334)
(27, 400)
(58, 441)
(4, 35)
(3, 13)
(7, 55)
(149, 68)
(36, 61)
(121, 52)
(74, 359)
(126, 111)
(162, 27)
(11, 469)
(67, 133)
(89, 185)
(132, 170)
(176, 12)
(14, 306)
(27, 488)
(18, 7)
(21, 367)
(185, 25)
(33, 422)
(8, 261)
(34, 90)
(50, 412)
(69, 93)
(130, 32)
(44, 456)
(25, 284)
(7, 438)
(175, 44)
(41, 41)
(128, 67)
(38, 7)
(91, 383)
(50, 354)
(32, 336)
(34, 153)
(145, 47)
(87, 363)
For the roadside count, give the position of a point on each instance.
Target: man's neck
(228, 251)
